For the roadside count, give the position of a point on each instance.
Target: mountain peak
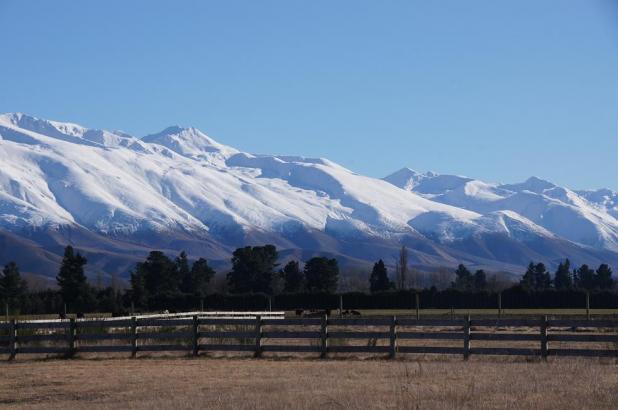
(187, 141)
(409, 172)
(12, 117)
(539, 181)
(429, 182)
(406, 178)
(532, 184)
(66, 131)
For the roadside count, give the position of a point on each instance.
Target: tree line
(160, 281)
(537, 277)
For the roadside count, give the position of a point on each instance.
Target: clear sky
(498, 90)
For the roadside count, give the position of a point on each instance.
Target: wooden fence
(466, 336)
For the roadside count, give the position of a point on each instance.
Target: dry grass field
(180, 383)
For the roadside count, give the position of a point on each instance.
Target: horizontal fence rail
(241, 333)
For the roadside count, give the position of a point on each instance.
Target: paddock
(434, 382)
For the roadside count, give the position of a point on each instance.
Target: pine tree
(586, 277)
(253, 269)
(542, 278)
(604, 277)
(480, 280)
(528, 280)
(322, 274)
(71, 279)
(378, 281)
(155, 279)
(201, 275)
(12, 287)
(293, 277)
(184, 273)
(562, 278)
(463, 278)
(139, 295)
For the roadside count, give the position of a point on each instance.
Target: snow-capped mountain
(604, 198)
(116, 196)
(584, 217)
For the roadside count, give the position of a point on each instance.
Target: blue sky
(498, 90)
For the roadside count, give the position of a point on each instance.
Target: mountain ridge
(117, 195)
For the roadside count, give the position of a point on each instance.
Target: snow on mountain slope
(605, 199)
(119, 195)
(182, 179)
(189, 142)
(586, 219)
(428, 183)
(376, 206)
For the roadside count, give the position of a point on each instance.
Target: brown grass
(162, 383)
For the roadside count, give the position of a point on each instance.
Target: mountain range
(115, 197)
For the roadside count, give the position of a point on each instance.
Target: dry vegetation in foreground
(163, 383)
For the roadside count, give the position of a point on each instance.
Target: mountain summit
(189, 142)
(117, 196)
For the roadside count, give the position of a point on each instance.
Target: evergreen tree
(293, 277)
(604, 277)
(12, 287)
(71, 279)
(480, 280)
(528, 280)
(159, 277)
(562, 278)
(201, 275)
(184, 273)
(463, 278)
(586, 277)
(542, 278)
(322, 274)
(139, 295)
(378, 281)
(253, 269)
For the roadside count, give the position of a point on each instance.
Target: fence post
(133, 336)
(71, 338)
(324, 337)
(258, 337)
(195, 336)
(418, 306)
(340, 305)
(13, 339)
(393, 338)
(466, 338)
(544, 337)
